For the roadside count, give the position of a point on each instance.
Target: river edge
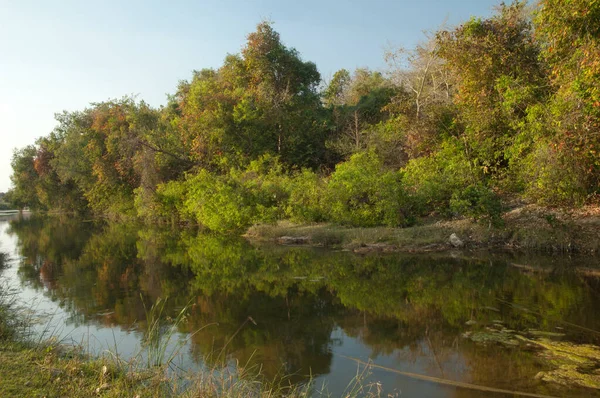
(525, 229)
(68, 369)
(31, 368)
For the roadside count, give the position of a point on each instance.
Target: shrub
(165, 204)
(361, 193)
(479, 202)
(431, 181)
(305, 192)
(217, 202)
(265, 183)
(234, 201)
(549, 179)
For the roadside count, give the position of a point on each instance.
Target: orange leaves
(41, 162)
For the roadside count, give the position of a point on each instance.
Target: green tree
(357, 104)
(24, 178)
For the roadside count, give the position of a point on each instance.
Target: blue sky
(62, 54)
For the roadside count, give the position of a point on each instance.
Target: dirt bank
(525, 228)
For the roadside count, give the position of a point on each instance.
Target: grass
(29, 371)
(419, 238)
(525, 228)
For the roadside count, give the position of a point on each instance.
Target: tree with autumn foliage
(569, 35)
(261, 101)
(501, 107)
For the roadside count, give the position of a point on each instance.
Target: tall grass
(155, 366)
(10, 321)
(160, 333)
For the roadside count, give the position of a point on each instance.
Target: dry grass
(527, 228)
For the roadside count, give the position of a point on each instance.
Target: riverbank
(32, 368)
(527, 228)
(29, 371)
(48, 369)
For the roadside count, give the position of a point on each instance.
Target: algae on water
(570, 364)
(577, 364)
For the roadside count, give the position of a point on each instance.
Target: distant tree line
(494, 108)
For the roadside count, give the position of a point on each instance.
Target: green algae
(574, 364)
(570, 364)
(571, 375)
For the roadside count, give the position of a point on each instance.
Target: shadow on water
(476, 319)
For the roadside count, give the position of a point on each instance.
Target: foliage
(507, 104)
(549, 179)
(433, 180)
(217, 202)
(361, 193)
(306, 191)
(233, 201)
(571, 46)
(497, 73)
(477, 201)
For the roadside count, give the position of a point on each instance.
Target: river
(438, 325)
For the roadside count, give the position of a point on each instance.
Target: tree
(263, 100)
(334, 94)
(422, 73)
(357, 104)
(24, 178)
(423, 108)
(498, 75)
(569, 32)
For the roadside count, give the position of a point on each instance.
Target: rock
(455, 241)
(293, 240)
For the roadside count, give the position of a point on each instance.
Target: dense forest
(476, 115)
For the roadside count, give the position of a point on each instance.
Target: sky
(63, 55)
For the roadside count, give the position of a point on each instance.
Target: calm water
(315, 311)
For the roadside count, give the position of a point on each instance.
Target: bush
(165, 204)
(432, 181)
(549, 179)
(266, 185)
(361, 193)
(234, 201)
(479, 202)
(305, 192)
(217, 202)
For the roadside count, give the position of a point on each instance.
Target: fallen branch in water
(447, 382)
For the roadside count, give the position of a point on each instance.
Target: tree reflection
(405, 307)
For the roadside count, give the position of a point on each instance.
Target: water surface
(313, 311)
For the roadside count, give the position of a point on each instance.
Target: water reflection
(312, 308)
